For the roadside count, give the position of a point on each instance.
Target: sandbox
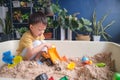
(71, 49)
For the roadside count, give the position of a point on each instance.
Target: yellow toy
(16, 60)
(71, 66)
(53, 54)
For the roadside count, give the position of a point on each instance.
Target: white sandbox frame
(71, 49)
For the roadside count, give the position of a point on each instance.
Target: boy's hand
(48, 45)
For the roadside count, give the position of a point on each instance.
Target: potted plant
(51, 24)
(17, 16)
(2, 2)
(25, 17)
(61, 20)
(16, 3)
(99, 30)
(1, 22)
(55, 7)
(22, 30)
(83, 29)
(44, 6)
(2, 9)
(48, 33)
(7, 29)
(70, 21)
(23, 3)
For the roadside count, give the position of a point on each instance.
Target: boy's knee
(36, 43)
(24, 52)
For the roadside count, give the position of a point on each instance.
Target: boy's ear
(31, 27)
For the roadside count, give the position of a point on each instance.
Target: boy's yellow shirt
(27, 40)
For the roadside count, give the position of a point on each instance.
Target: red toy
(51, 78)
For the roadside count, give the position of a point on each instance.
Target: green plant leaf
(107, 26)
(99, 28)
(7, 28)
(22, 30)
(1, 22)
(94, 22)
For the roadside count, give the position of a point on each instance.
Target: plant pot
(48, 11)
(29, 4)
(23, 4)
(16, 3)
(69, 36)
(96, 38)
(2, 12)
(6, 37)
(62, 35)
(48, 35)
(83, 37)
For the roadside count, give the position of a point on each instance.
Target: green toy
(64, 78)
(116, 76)
(101, 64)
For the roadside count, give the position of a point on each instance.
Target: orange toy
(64, 58)
(52, 55)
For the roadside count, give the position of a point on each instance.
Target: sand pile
(29, 70)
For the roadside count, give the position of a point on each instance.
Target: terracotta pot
(48, 35)
(83, 37)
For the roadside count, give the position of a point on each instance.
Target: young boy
(31, 43)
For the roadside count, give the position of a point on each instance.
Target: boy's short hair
(37, 17)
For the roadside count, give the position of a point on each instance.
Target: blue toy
(84, 59)
(8, 57)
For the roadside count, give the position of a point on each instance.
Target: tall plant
(72, 22)
(1, 22)
(62, 14)
(2, 2)
(82, 25)
(85, 26)
(7, 28)
(56, 7)
(99, 28)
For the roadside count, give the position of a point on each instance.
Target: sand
(29, 70)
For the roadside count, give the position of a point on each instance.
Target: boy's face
(37, 29)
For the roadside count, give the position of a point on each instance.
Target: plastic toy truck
(51, 57)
